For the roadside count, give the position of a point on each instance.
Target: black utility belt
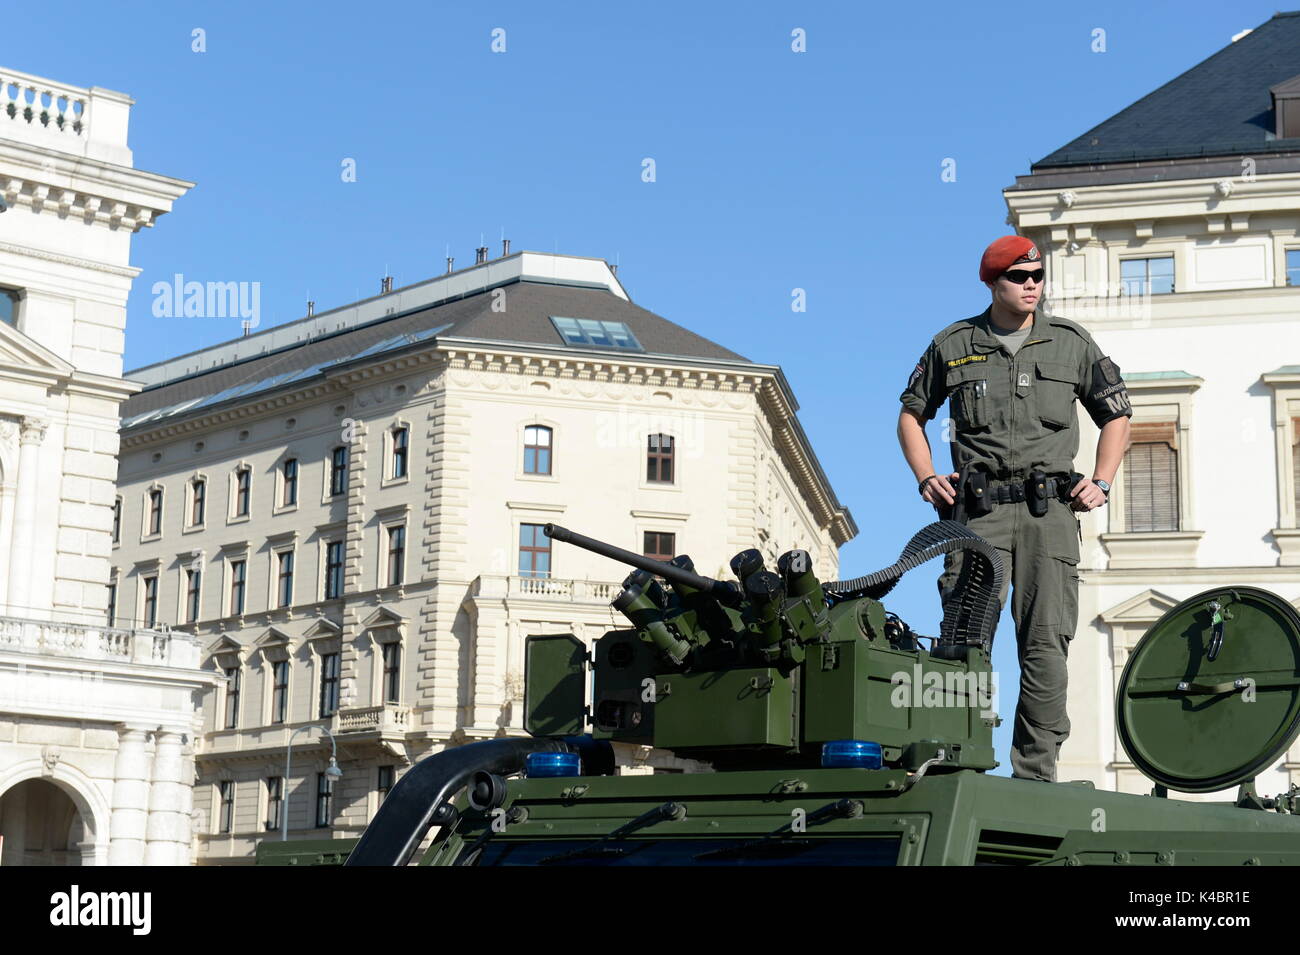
(977, 492)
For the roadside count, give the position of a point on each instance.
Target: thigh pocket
(1068, 595)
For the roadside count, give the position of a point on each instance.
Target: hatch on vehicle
(1210, 696)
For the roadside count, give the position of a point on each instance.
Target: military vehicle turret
(837, 736)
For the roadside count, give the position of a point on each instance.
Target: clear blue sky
(775, 170)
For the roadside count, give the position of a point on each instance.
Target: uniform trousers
(1040, 557)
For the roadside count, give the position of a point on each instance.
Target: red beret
(1004, 253)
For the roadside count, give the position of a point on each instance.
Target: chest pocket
(968, 391)
(1055, 392)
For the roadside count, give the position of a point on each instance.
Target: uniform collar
(983, 340)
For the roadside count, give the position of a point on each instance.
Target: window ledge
(194, 528)
(283, 509)
(1151, 549)
(1287, 540)
(395, 481)
(238, 519)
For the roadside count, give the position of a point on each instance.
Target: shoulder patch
(966, 358)
(1109, 371)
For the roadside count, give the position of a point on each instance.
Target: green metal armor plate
(1210, 696)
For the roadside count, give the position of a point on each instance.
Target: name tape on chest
(961, 361)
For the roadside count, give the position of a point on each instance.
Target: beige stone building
(1171, 231)
(347, 510)
(95, 719)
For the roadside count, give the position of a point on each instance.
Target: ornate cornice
(124, 271)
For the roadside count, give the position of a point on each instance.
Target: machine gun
(774, 666)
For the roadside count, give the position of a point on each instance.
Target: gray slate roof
(526, 320)
(1221, 106)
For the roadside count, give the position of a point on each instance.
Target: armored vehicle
(836, 735)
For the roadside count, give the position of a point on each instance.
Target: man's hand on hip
(1087, 496)
(940, 490)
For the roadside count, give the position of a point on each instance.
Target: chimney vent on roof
(480, 254)
(505, 248)
(311, 308)
(614, 268)
(248, 328)
(385, 285)
(450, 260)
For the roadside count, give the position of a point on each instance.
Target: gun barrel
(721, 590)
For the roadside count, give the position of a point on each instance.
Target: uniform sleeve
(1101, 388)
(925, 388)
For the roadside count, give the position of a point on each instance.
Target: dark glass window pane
(399, 453)
(290, 482)
(333, 570)
(534, 551)
(339, 470)
(329, 684)
(233, 678)
(155, 511)
(285, 589)
(150, 601)
(280, 696)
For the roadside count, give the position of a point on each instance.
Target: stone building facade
(95, 719)
(346, 511)
(1170, 232)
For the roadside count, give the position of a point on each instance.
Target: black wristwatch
(1105, 486)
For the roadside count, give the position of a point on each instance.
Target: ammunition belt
(971, 611)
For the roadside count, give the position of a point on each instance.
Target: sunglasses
(1020, 276)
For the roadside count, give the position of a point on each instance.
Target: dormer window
(1286, 108)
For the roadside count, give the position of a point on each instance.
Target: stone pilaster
(168, 822)
(126, 828)
(24, 535)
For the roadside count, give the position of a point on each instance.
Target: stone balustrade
(545, 588)
(389, 718)
(159, 647)
(33, 101)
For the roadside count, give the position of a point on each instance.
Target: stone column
(167, 823)
(126, 828)
(18, 597)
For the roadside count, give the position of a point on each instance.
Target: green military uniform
(1014, 414)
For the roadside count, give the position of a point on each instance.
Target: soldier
(1012, 374)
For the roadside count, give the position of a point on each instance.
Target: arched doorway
(41, 825)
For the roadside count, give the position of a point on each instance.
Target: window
(399, 452)
(226, 793)
(1147, 276)
(339, 470)
(659, 545)
(1151, 478)
(329, 684)
(233, 678)
(279, 691)
(396, 553)
(324, 797)
(198, 501)
(243, 486)
(150, 601)
(289, 486)
(274, 802)
(586, 331)
(9, 299)
(112, 604)
(1293, 266)
(237, 574)
(284, 589)
(1295, 463)
(659, 459)
(384, 783)
(155, 511)
(193, 583)
(537, 450)
(392, 672)
(333, 569)
(534, 551)
(117, 520)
